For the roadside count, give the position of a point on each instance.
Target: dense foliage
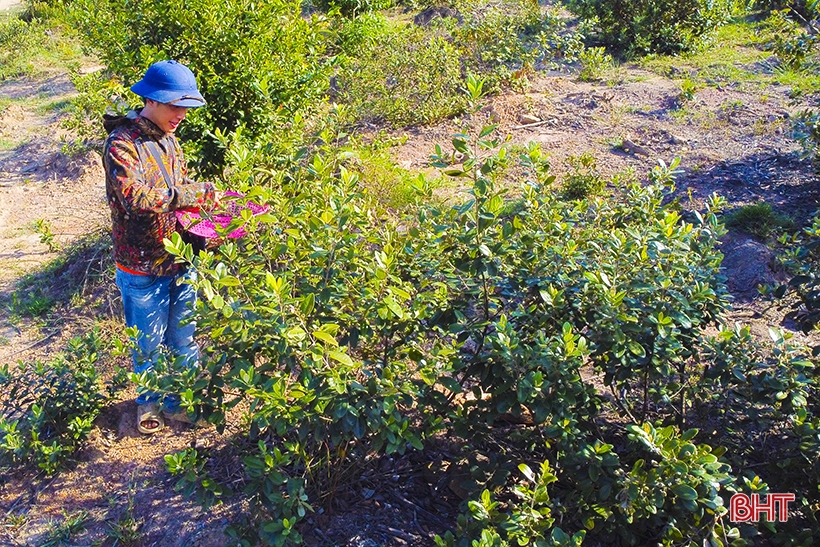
(345, 336)
(48, 409)
(259, 65)
(403, 76)
(647, 26)
(573, 345)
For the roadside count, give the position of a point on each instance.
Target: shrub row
(338, 329)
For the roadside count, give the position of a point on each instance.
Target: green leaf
(308, 303)
(394, 307)
(525, 469)
(228, 281)
(296, 334)
(340, 357)
(685, 492)
(451, 384)
(486, 130)
(636, 349)
(325, 337)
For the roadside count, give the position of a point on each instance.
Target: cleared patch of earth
(732, 142)
(9, 4)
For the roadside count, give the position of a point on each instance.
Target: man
(146, 182)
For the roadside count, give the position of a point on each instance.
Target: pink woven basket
(193, 222)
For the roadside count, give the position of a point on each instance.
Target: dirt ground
(732, 142)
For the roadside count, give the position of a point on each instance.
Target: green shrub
(806, 130)
(595, 62)
(258, 65)
(308, 320)
(792, 43)
(503, 40)
(94, 98)
(758, 219)
(492, 33)
(352, 8)
(48, 409)
(803, 7)
(802, 260)
(650, 26)
(688, 88)
(344, 334)
(389, 185)
(350, 34)
(34, 43)
(521, 288)
(404, 76)
(583, 180)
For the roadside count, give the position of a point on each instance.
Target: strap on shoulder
(153, 148)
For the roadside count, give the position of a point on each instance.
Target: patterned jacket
(142, 201)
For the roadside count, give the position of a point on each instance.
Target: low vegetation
(568, 335)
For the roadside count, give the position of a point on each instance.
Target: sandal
(149, 419)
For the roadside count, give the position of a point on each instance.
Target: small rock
(675, 139)
(632, 148)
(746, 264)
(527, 119)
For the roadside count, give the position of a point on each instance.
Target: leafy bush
(803, 7)
(758, 219)
(403, 75)
(806, 130)
(388, 184)
(353, 7)
(792, 43)
(33, 42)
(259, 65)
(352, 33)
(802, 260)
(688, 88)
(48, 409)
(667, 26)
(95, 92)
(15, 35)
(502, 41)
(344, 335)
(595, 62)
(583, 180)
(491, 33)
(308, 319)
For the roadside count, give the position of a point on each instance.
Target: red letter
(783, 501)
(739, 508)
(758, 506)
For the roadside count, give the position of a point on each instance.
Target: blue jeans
(158, 307)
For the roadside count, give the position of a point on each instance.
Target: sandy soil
(732, 142)
(9, 4)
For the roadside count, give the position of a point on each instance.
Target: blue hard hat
(169, 82)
